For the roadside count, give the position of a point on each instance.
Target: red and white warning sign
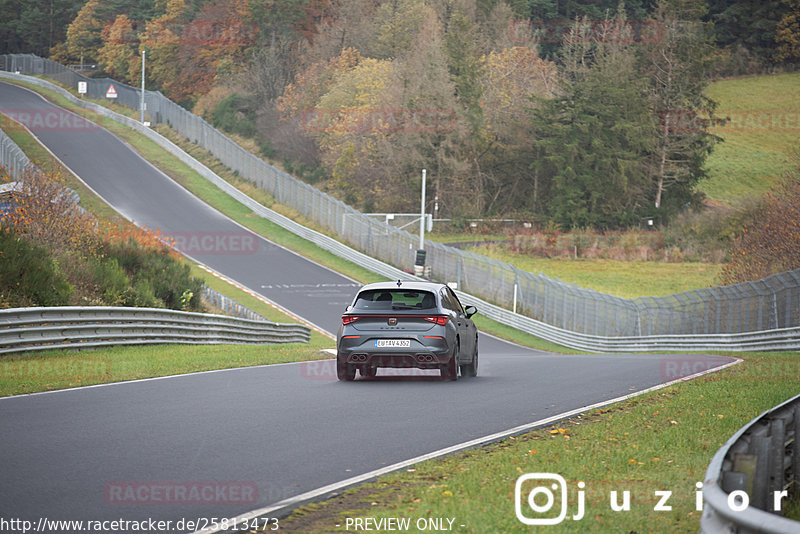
(111, 93)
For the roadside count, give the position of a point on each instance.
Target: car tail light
(347, 319)
(441, 320)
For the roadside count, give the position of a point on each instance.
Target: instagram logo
(540, 491)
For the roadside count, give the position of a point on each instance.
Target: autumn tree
(119, 49)
(512, 78)
(397, 24)
(347, 119)
(771, 242)
(349, 24)
(424, 87)
(788, 33)
(84, 34)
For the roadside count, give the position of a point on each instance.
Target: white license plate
(393, 343)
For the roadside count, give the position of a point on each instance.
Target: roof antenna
(399, 283)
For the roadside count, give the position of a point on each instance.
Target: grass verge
(628, 279)
(758, 140)
(60, 369)
(660, 441)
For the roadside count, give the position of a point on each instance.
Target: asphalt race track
(243, 439)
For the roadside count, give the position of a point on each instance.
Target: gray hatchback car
(401, 324)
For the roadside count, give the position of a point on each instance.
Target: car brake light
(441, 320)
(347, 319)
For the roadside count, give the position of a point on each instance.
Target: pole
(141, 105)
(422, 215)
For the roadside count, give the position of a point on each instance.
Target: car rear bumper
(419, 359)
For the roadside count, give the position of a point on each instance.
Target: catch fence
(768, 304)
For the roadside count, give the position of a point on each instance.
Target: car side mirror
(470, 311)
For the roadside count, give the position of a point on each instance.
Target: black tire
(345, 371)
(450, 369)
(471, 369)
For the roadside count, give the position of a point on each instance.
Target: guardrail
(229, 306)
(13, 157)
(34, 329)
(767, 339)
(748, 480)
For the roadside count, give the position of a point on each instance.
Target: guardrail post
(762, 446)
(778, 456)
(795, 430)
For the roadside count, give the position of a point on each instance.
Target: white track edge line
(314, 494)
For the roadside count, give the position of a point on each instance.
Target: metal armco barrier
(230, 306)
(12, 157)
(766, 313)
(71, 327)
(759, 462)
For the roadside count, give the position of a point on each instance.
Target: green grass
(752, 158)
(59, 369)
(659, 441)
(628, 279)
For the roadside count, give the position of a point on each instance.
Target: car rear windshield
(395, 299)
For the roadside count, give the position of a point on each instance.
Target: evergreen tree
(35, 26)
(749, 23)
(593, 137)
(677, 67)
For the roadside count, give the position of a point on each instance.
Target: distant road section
(145, 195)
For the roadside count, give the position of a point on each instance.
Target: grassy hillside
(760, 138)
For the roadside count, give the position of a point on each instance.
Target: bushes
(771, 242)
(155, 274)
(28, 275)
(235, 114)
(53, 254)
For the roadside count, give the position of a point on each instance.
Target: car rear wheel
(450, 369)
(471, 369)
(345, 371)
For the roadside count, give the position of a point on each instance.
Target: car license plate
(393, 343)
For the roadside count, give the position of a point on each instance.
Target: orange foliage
(187, 55)
(46, 212)
(142, 238)
(309, 86)
(771, 243)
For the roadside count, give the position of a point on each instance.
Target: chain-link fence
(754, 306)
(12, 157)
